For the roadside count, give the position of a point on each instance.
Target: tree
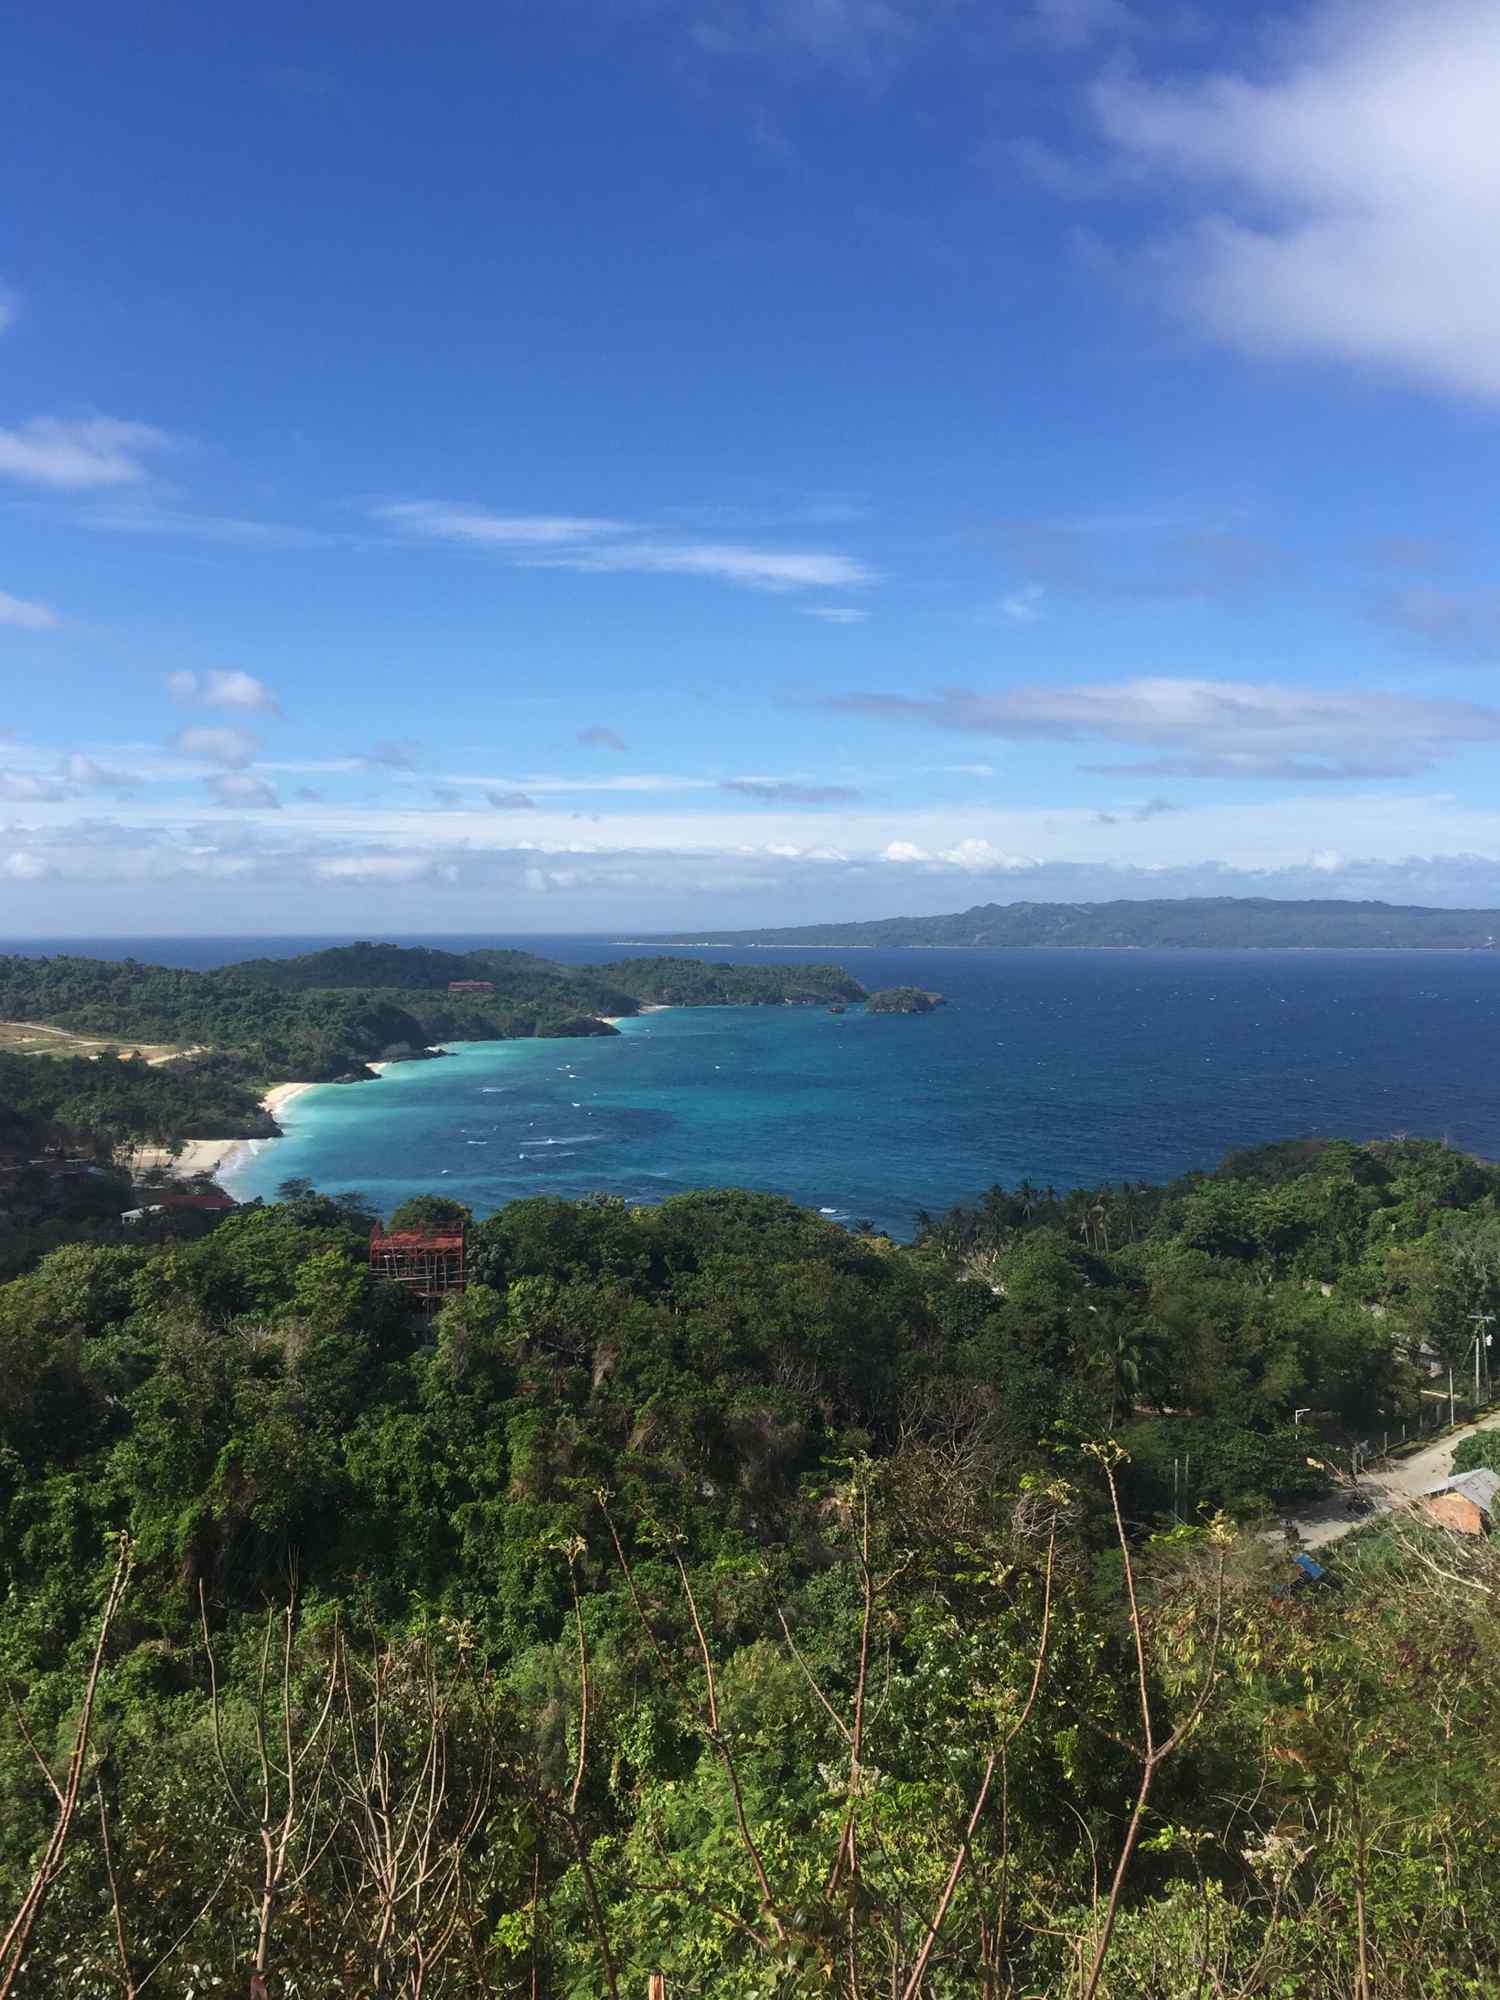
(430, 1211)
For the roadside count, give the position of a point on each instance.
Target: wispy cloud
(447, 522)
(1126, 558)
(27, 616)
(1347, 204)
(837, 614)
(82, 771)
(597, 546)
(10, 307)
(233, 748)
(788, 792)
(399, 755)
(546, 784)
(510, 801)
(1024, 606)
(862, 42)
(1465, 625)
(1076, 24)
(597, 737)
(26, 788)
(80, 452)
(222, 687)
(1408, 552)
(1138, 815)
(1213, 728)
(724, 562)
(243, 791)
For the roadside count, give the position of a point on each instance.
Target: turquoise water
(1069, 1067)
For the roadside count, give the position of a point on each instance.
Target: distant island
(903, 1000)
(1223, 923)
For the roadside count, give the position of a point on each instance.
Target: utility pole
(1481, 1321)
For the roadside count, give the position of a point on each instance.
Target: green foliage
(1481, 1452)
(793, 1475)
(430, 1211)
(902, 1000)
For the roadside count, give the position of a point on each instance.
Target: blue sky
(638, 463)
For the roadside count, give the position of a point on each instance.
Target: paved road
(1402, 1479)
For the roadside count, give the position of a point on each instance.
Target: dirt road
(1400, 1480)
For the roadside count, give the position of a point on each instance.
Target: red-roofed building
(428, 1262)
(209, 1201)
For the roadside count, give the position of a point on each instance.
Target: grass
(26, 1038)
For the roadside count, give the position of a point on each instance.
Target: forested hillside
(712, 1590)
(328, 1014)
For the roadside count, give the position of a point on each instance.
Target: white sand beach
(198, 1156)
(208, 1156)
(280, 1095)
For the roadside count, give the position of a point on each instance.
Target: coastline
(216, 1157)
(280, 1095)
(212, 1156)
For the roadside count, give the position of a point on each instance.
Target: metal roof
(1481, 1486)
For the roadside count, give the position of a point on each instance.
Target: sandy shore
(281, 1094)
(207, 1156)
(198, 1156)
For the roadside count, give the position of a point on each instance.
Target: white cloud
(82, 771)
(26, 867)
(1347, 205)
(973, 857)
(592, 545)
(241, 789)
(837, 614)
(1024, 606)
(222, 687)
(455, 523)
(633, 781)
(25, 615)
(383, 868)
(1215, 728)
(233, 747)
(724, 562)
(25, 788)
(402, 755)
(790, 791)
(79, 452)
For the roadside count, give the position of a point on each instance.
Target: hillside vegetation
(714, 1591)
(1217, 922)
(327, 1014)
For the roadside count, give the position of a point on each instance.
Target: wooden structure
(428, 1262)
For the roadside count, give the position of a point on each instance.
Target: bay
(1065, 1067)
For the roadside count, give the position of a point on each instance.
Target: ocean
(1064, 1067)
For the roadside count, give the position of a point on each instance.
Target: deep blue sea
(1069, 1067)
